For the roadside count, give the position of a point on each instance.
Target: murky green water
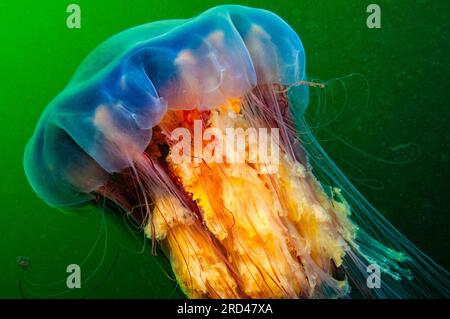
(396, 147)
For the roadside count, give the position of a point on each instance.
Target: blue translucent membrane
(104, 117)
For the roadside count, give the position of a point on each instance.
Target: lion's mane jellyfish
(233, 224)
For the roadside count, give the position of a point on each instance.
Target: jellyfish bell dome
(104, 117)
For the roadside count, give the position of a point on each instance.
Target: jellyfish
(278, 222)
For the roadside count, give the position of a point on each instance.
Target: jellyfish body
(230, 229)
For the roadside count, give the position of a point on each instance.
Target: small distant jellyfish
(145, 125)
(23, 262)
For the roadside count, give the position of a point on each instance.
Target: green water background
(406, 64)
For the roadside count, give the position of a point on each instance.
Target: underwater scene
(225, 150)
